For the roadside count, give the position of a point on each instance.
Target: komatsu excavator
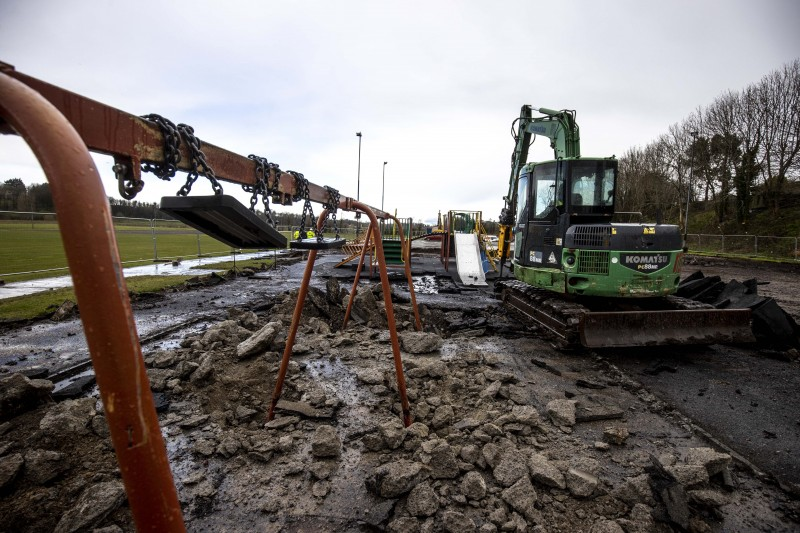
(588, 279)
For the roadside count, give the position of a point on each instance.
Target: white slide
(468, 259)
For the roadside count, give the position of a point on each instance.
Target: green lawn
(34, 246)
(27, 250)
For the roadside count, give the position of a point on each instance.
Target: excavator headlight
(570, 260)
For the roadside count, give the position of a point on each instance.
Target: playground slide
(468, 259)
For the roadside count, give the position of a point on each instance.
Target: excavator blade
(656, 328)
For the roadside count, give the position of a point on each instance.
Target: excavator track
(679, 321)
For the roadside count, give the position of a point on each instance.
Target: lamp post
(383, 183)
(358, 185)
(689, 191)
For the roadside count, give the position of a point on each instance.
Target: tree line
(16, 196)
(742, 146)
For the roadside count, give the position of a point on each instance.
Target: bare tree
(779, 99)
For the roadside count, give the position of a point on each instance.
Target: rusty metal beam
(88, 235)
(109, 131)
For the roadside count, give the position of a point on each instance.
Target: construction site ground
(510, 433)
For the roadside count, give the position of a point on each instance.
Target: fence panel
(780, 248)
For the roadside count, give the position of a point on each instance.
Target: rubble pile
(505, 436)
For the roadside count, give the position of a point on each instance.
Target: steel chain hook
(301, 193)
(332, 206)
(261, 186)
(198, 161)
(172, 154)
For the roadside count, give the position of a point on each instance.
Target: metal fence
(783, 248)
(30, 243)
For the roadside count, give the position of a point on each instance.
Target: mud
(510, 434)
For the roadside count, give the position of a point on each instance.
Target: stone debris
(394, 479)
(96, 502)
(489, 449)
(581, 484)
(562, 412)
(420, 342)
(325, 442)
(616, 435)
(19, 394)
(422, 500)
(10, 468)
(544, 472)
(260, 341)
(42, 466)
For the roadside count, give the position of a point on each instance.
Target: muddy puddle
(184, 267)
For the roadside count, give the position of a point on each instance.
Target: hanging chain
(199, 164)
(332, 206)
(262, 187)
(302, 193)
(172, 154)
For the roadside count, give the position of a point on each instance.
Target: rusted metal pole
(417, 322)
(88, 235)
(357, 277)
(387, 300)
(298, 312)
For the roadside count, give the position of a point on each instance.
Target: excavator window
(522, 198)
(547, 191)
(592, 184)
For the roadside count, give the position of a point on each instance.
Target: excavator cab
(553, 196)
(565, 240)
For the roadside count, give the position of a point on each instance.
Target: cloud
(433, 86)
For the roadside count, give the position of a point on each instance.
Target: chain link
(301, 193)
(198, 161)
(172, 154)
(261, 186)
(332, 206)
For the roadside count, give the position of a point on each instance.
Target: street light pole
(383, 183)
(358, 185)
(689, 191)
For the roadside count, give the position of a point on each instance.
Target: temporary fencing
(757, 246)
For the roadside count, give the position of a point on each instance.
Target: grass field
(27, 250)
(32, 249)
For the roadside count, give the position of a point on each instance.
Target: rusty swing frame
(61, 128)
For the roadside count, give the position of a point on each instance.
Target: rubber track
(562, 317)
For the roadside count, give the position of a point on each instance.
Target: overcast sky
(432, 85)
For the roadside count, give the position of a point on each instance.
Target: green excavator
(579, 273)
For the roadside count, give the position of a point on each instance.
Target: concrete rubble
(498, 443)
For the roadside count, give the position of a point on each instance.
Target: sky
(433, 86)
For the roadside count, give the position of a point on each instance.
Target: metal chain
(301, 193)
(199, 164)
(172, 154)
(332, 206)
(262, 175)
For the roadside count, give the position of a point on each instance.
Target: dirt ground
(509, 433)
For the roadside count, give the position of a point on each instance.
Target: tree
(779, 99)
(13, 195)
(40, 197)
